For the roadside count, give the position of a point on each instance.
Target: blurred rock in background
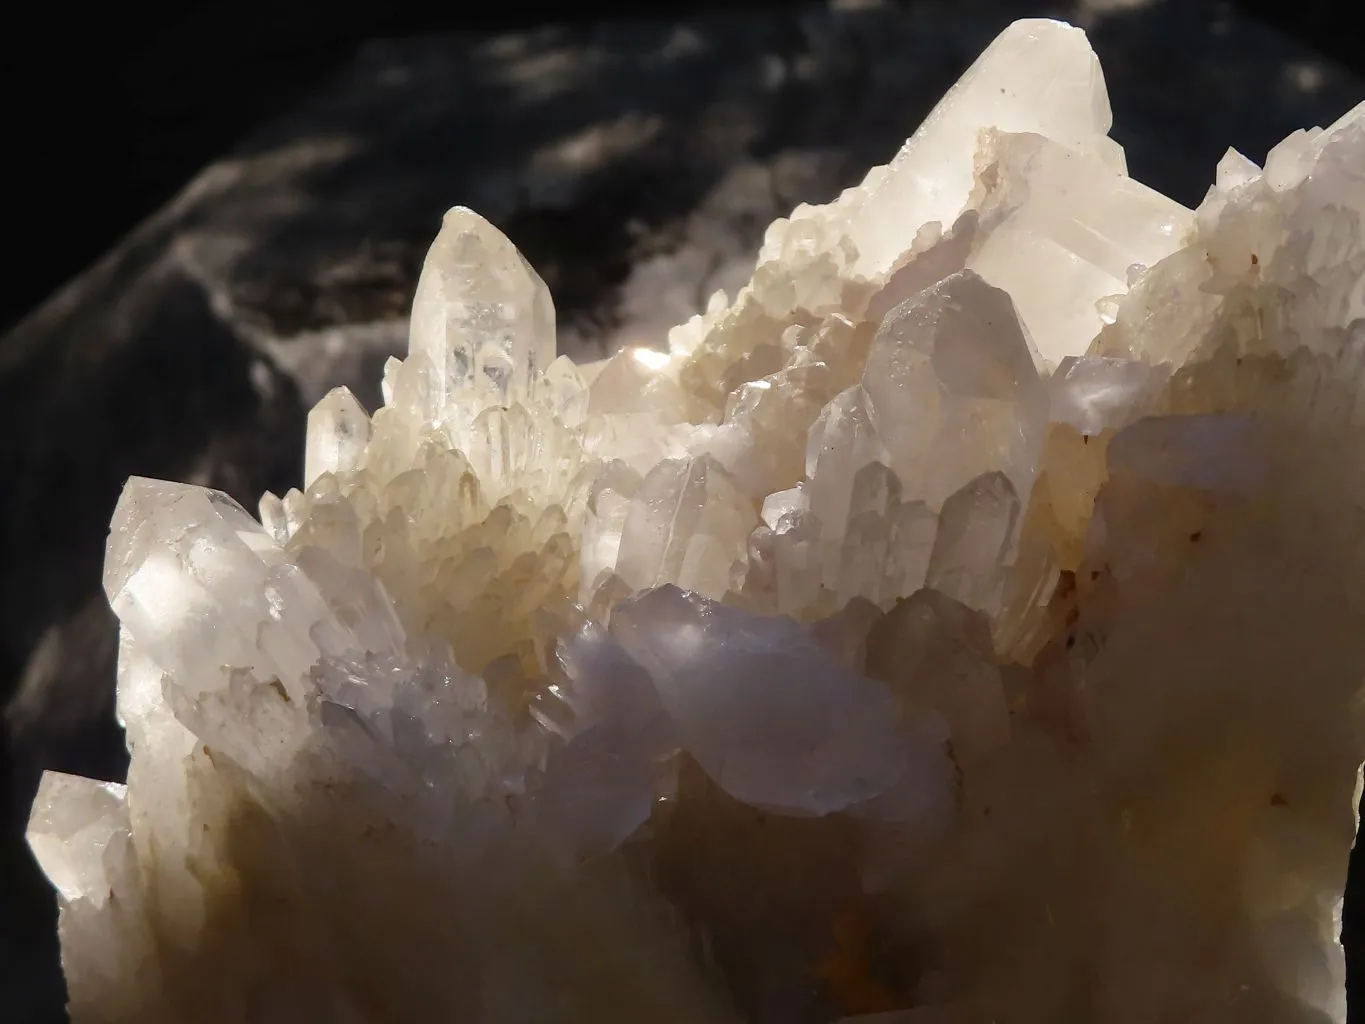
(636, 163)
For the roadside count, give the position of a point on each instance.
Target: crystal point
(931, 178)
(481, 315)
(338, 431)
(953, 390)
(73, 823)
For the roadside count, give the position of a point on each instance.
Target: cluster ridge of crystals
(964, 623)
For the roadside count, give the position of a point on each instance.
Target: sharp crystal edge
(961, 624)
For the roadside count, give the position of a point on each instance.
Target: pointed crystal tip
(481, 315)
(73, 821)
(338, 431)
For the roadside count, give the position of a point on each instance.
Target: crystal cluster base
(962, 624)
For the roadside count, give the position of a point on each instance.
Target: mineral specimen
(963, 624)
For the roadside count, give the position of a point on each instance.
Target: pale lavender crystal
(772, 715)
(600, 785)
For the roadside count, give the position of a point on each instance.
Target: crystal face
(482, 318)
(962, 623)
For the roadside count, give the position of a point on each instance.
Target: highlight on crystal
(962, 623)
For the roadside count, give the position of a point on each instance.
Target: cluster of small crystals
(963, 624)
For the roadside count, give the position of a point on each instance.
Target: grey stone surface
(636, 164)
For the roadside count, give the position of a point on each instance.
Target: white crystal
(198, 583)
(687, 524)
(953, 391)
(980, 587)
(73, 824)
(932, 176)
(1092, 393)
(481, 316)
(338, 431)
(842, 442)
(1071, 234)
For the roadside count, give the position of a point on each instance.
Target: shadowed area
(635, 163)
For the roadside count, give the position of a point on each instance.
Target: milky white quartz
(960, 624)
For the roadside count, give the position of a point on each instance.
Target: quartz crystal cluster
(965, 623)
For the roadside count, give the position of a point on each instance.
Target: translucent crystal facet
(931, 178)
(338, 431)
(481, 317)
(720, 672)
(952, 388)
(73, 826)
(688, 523)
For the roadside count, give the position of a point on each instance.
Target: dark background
(109, 111)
